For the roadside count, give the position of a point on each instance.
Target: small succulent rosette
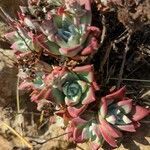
(64, 27)
(73, 89)
(118, 112)
(22, 42)
(36, 85)
(85, 129)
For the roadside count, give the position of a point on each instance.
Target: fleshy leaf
(91, 48)
(85, 72)
(83, 85)
(58, 96)
(126, 105)
(71, 52)
(111, 119)
(89, 96)
(52, 47)
(75, 112)
(103, 108)
(107, 137)
(78, 135)
(126, 119)
(139, 113)
(118, 95)
(78, 121)
(128, 127)
(110, 129)
(73, 100)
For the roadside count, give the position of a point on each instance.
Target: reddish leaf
(118, 95)
(71, 52)
(103, 108)
(77, 135)
(139, 113)
(128, 127)
(90, 96)
(126, 105)
(78, 121)
(107, 137)
(92, 46)
(110, 129)
(75, 112)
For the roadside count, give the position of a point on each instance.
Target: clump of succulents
(116, 113)
(74, 89)
(62, 29)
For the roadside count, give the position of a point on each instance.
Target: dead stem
(13, 60)
(146, 122)
(43, 141)
(79, 147)
(123, 61)
(132, 80)
(104, 30)
(105, 57)
(6, 14)
(42, 117)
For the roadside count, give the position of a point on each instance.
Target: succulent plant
(37, 86)
(74, 88)
(64, 27)
(85, 129)
(22, 41)
(116, 113)
(119, 113)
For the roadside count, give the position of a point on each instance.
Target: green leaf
(74, 40)
(86, 19)
(58, 21)
(85, 76)
(71, 77)
(58, 96)
(52, 47)
(21, 46)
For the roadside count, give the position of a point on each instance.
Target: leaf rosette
(73, 88)
(118, 112)
(63, 27)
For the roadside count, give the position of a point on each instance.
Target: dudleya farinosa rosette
(75, 88)
(59, 27)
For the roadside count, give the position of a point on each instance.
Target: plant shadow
(134, 141)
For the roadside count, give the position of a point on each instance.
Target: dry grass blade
(17, 96)
(18, 135)
(132, 80)
(42, 117)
